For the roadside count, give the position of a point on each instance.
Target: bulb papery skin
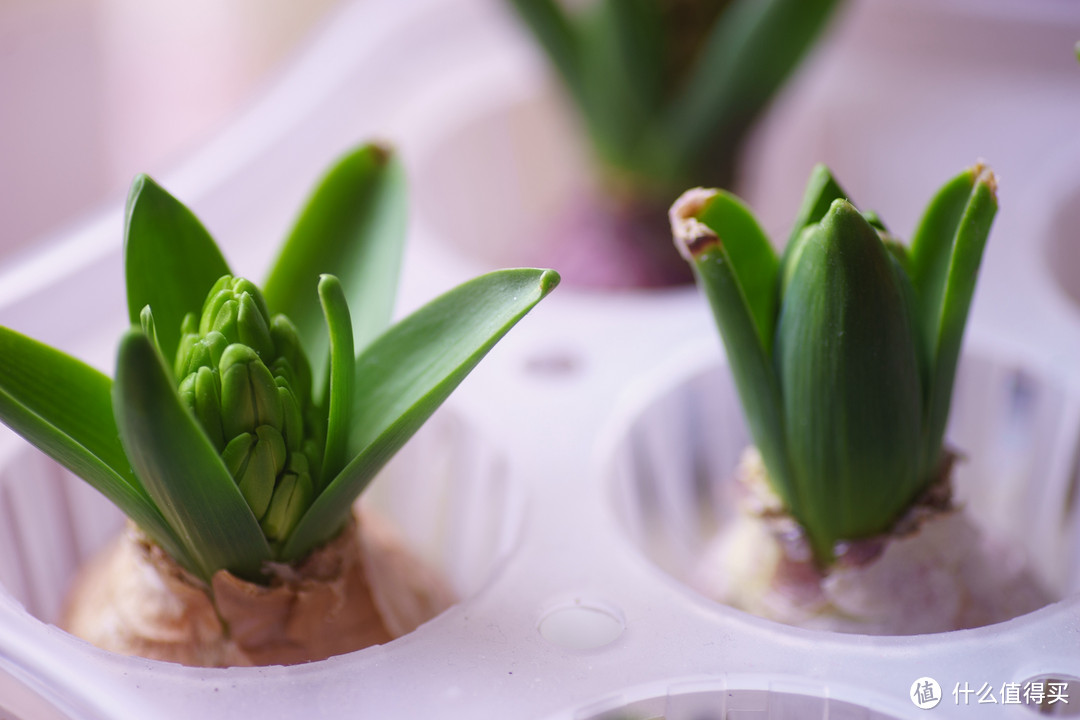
(363, 588)
(935, 571)
(246, 379)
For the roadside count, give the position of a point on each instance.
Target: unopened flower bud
(291, 358)
(292, 497)
(249, 396)
(248, 382)
(238, 311)
(254, 460)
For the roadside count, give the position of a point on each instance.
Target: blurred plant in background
(667, 91)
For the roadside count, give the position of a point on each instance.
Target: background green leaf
(64, 408)
(353, 226)
(170, 260)
(638, 25)
(553, 30)
(403, 377)
(180, 468)
(620, 104)
(750, 52)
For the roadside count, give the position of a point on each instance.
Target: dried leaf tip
(692, 237)
(382, 152)
(985, 176)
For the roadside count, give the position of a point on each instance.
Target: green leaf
(403, 377)
(720, 277)
(618, 104)
(64, 408)
(146, 321)
(901, 262)
(945, 256)
(821, 190)
(170, 260)
(553, 30)
(749, 53)
(353, 226)
(638, 26)
(751, 257)
(850, 384)
(342, 372)
(180, 468)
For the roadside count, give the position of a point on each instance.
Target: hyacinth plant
(843, 350)
(242, 424)
(667, 90)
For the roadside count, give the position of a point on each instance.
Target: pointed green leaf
(407, 373)
(180, 469)
(64, 408)
(170, 260)
(850, 384)
(720, 278)
(353, 226)
(821, 190)
(945, 256)
(342, 372)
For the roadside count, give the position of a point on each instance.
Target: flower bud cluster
(246, 379)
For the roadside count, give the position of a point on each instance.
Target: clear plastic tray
(547, 509)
